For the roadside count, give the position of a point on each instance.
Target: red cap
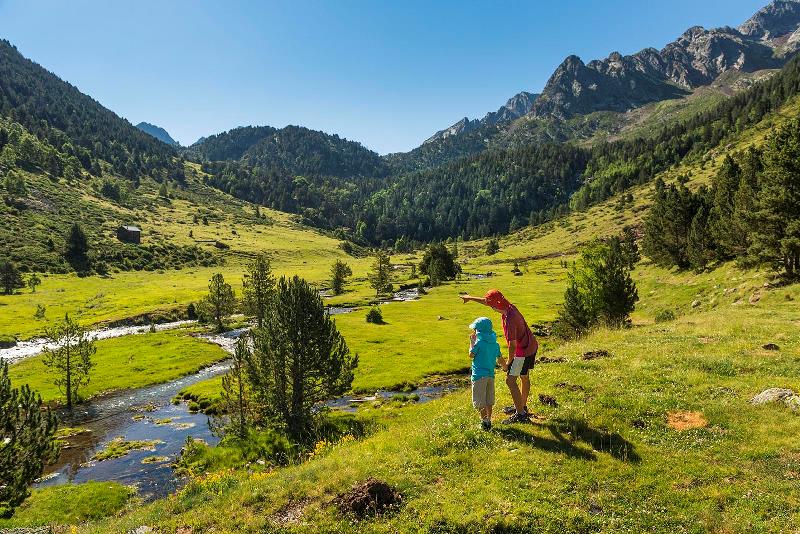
(496, 300)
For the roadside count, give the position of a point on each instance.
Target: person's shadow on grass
(566, 435)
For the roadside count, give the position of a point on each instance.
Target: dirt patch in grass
(545, 359)
(683, 420)
(369, 498)
(548, 400)
(595, 354)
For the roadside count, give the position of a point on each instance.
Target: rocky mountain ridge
(620, 83)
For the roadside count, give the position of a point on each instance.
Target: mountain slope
(58, 112)
(159, 133)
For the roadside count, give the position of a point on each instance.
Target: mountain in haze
(293, 149)
(159, 133)
(621, 83)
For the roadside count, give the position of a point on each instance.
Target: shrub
(375, 316)
(665, 316)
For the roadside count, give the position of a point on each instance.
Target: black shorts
(521, 365)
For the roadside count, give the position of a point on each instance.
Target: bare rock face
(620, 83)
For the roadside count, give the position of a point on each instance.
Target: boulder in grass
(786, 396)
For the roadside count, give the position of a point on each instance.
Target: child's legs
(486, 413)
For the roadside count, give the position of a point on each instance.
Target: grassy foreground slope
(604, 459)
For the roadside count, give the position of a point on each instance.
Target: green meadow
(127, 362)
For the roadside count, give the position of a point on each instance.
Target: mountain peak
(779, 18)
(157, 132)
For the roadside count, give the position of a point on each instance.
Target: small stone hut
(129, 234)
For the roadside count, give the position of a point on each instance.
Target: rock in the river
(786, 396)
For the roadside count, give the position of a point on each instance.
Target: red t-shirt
(516, 329)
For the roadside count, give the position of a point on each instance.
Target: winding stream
(148, 414)
(24, 349)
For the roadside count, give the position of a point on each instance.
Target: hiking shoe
(509, 410)
(486, 425)
(517, 418)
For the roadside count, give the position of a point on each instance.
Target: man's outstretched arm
(468, 298)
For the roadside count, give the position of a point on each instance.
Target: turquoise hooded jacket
(485, 351)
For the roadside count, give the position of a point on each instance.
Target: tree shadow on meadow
(567, 434)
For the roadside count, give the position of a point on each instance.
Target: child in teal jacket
(484, 351)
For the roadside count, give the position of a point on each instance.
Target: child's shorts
(483, 392)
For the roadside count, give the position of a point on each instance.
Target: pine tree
(10, 277)
(573, 320)
(381, 274)
(340, 272)
(26, 441)
(617, 294)
(776, 229)
(77, 252)
(699, 245)
(70, 358)
(299, 359)
(219, 303)
(258, 287)
(235, 389)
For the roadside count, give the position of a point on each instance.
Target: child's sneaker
(486, 425)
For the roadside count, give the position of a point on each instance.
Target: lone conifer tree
(219, 303)
(70, 358)
(26, 441)
(381, 274)
(258, 287)
(299, 359)
(77, 252)
(10, 278)
(340, 272)
(235, 391)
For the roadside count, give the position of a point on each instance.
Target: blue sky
(387, 74)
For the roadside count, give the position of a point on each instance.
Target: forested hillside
(83, 130)
(293, 149)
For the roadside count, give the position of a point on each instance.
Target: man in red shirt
(522, 348)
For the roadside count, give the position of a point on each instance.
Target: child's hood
(483, 326)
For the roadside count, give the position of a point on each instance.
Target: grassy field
(71, 503)
(605, 459)
(127, 362)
